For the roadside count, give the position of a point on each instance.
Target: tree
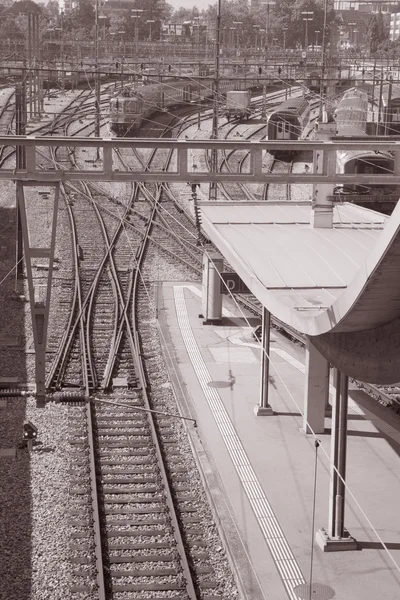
(82, 16)
(52, 10)
(377, 32)
(24, 7)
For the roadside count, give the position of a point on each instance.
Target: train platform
(262, 471)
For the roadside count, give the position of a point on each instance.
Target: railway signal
(29, 434)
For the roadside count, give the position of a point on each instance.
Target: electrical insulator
(279, 70)
(169, 68)
(142, 66)
(259, 70)
(117, 65)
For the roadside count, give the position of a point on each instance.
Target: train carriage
(351, 121)
(127, 114)
(390, 122)
(288, 122)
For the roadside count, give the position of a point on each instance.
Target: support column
(324, 162)
(337, 538)
(39, 295)
(316, 390)
(211, 290)
(264, 409)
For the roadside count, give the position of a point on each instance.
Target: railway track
(133, 495)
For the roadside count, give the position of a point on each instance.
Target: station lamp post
(351, 31)
(355, 31)
(136, 13)
(61, 30)
(237, 26)
(232, 40)
(103, 18)
(307, 16)
(284, 38)
(122, 43)
(256, 28)
(150, 22)
(267, 4)
(197, 32)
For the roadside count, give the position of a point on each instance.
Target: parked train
(289, 121)
(53, 78)
(390, 119)
(313, 81)
(130, 109)
(351, 121)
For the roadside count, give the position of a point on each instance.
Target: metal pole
(213, 192)
(40, 77)
(388, 115)
(30, 62)
(265, 349)
(20, 100)
(341, 456)
(62, 54)
(380, 103)
(34, 36)
(97, 79)
(321, 83)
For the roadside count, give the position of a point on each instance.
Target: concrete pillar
(316, 390)
(263, 409)
(322, 208)
(336, 538)
(211, 290)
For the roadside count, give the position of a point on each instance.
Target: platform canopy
(343, 280)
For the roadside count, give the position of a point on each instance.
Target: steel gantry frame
(35, 171)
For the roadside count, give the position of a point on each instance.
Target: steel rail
(190, 588)
(101, 588)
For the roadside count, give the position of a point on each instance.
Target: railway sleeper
(140, 559)
(134, 511)
(153, 587)
(131, 471)
(128, 480)
(139, 522)
(135, 431)
(143, 546)
(80, 589)
(151, 489)
(138, 532)
(81, 560)
(145, 573)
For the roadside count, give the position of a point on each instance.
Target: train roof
(351, 113)
(395, 95)
(291, 105)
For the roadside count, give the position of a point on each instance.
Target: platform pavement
(261, 469)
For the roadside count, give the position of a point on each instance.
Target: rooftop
(313, 279)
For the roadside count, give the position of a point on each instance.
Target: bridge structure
(338, 284)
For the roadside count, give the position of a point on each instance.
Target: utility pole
(213, 191)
